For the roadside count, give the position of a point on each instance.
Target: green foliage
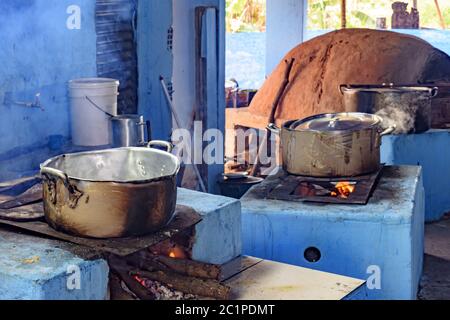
(428, 13)
(321, 14)
(250, 15)
(246, 15)
(326, 14)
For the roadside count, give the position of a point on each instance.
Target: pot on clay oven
(111, 193)
(408, 107)
(332, 145)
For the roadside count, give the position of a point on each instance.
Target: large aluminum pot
(332, 145)
(111, 193)
(408, 107)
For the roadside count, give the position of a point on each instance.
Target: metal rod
(178, 123)
(272, 116)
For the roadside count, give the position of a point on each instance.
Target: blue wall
(39, 54)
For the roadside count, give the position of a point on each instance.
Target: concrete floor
(436, 279)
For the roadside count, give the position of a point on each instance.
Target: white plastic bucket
(93, 101)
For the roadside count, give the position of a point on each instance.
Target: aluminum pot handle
(388, 131)
(342, 88)
(434, 92)
(273, 128)
(149, 130)
(160, 143)
(74, 193)
(55, 172)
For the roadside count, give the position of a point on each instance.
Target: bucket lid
(347, 121)
(90, 83)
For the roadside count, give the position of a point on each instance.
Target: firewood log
(120, 268)
(146, 260)
(191, 268)
(117, 292)
(189, 285)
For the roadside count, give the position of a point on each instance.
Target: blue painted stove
(431, 150)
(381, 241)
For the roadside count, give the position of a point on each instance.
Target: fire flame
(177, 253)
(343, 189)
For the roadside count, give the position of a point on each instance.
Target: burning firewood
(164, 292)
(343, 189)
(120, 269)
(189, 268)
(189, 285)
(152, 277)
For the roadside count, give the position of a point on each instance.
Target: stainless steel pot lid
(388, 88)
(122, 165)
(348, 121)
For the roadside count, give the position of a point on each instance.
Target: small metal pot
(111, 193)
(332, 145)
(408, 107)
(129, 131)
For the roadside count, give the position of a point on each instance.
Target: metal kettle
(129, 131)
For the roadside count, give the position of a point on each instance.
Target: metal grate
(310, 189)
(116, 48)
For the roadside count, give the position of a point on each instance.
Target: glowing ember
(177, 253)
(170, 249)
(141, 281)
(343, 189)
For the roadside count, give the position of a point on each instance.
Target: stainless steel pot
(129, 131)
(111, 193)
(332, 145)
(408, 107)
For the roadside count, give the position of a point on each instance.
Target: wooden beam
(439, 12)
(343, 14)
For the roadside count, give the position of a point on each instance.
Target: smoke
(408, 112)
(37, 59)
(402, 118)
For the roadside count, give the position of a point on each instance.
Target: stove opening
(333, 190)
(177, 252)
(312, 255)
(178, 247)
(341, 190)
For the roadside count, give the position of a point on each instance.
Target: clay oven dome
(358, 56)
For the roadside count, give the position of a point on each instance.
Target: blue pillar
(155, 60)
(286, 20)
